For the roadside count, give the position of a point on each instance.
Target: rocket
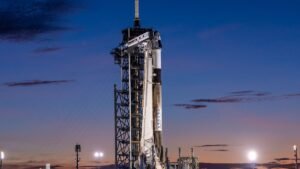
(151, 139)
(146, 45)
(157, 91)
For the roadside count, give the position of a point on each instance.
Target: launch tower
(138, 106)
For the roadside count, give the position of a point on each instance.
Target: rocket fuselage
(157, 92)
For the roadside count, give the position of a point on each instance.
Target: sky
(230, 77)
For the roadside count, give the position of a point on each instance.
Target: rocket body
(157, 93)
(152, 101)
(157, 98)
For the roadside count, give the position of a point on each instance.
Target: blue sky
(211, 50)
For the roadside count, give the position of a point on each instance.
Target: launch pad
(137, 103)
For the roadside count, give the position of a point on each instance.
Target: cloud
(191, 106)
(282, 159)
(47, 50)
(292, 95)
(219, 150)
(36, 82)
(249, 93)
(238, 96)
(242, 92)
(253, 97)
(212, 145)
(26, 20)
(218, 100)
(244, 96)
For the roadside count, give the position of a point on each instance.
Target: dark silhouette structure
(77, 151)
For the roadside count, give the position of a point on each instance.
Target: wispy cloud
(245, 96)
(242, 92)
(212, 145)
(47, 50)
(292, 95)
(238, 96)
(250, 97)
(219, 150)
(36, 83)
(249, 93)
(191, 106)
(218, 100)
(26, 20)
(283, 159)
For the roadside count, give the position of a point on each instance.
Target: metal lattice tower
(128, 102)
(130, 55)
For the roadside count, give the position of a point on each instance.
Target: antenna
(137, 14)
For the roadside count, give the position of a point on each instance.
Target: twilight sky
(230, 77)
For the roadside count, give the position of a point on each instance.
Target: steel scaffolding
(128, 101)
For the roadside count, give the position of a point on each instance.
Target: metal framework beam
(128, 101)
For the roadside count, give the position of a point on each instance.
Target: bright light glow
(252, 155)
(98, 154)
(2, 155)
(295, 147)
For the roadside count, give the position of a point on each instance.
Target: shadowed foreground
(202, 166)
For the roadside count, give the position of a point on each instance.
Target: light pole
(295, 148)
(2, 156)
(252, 157)
(98, 155)
(77, 150)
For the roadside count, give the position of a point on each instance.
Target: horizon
(230, 78)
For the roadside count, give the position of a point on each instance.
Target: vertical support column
(116, 115)
(130, 110)
(122, 114)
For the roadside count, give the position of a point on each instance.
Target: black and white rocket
(151, 140)
(157, 89)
